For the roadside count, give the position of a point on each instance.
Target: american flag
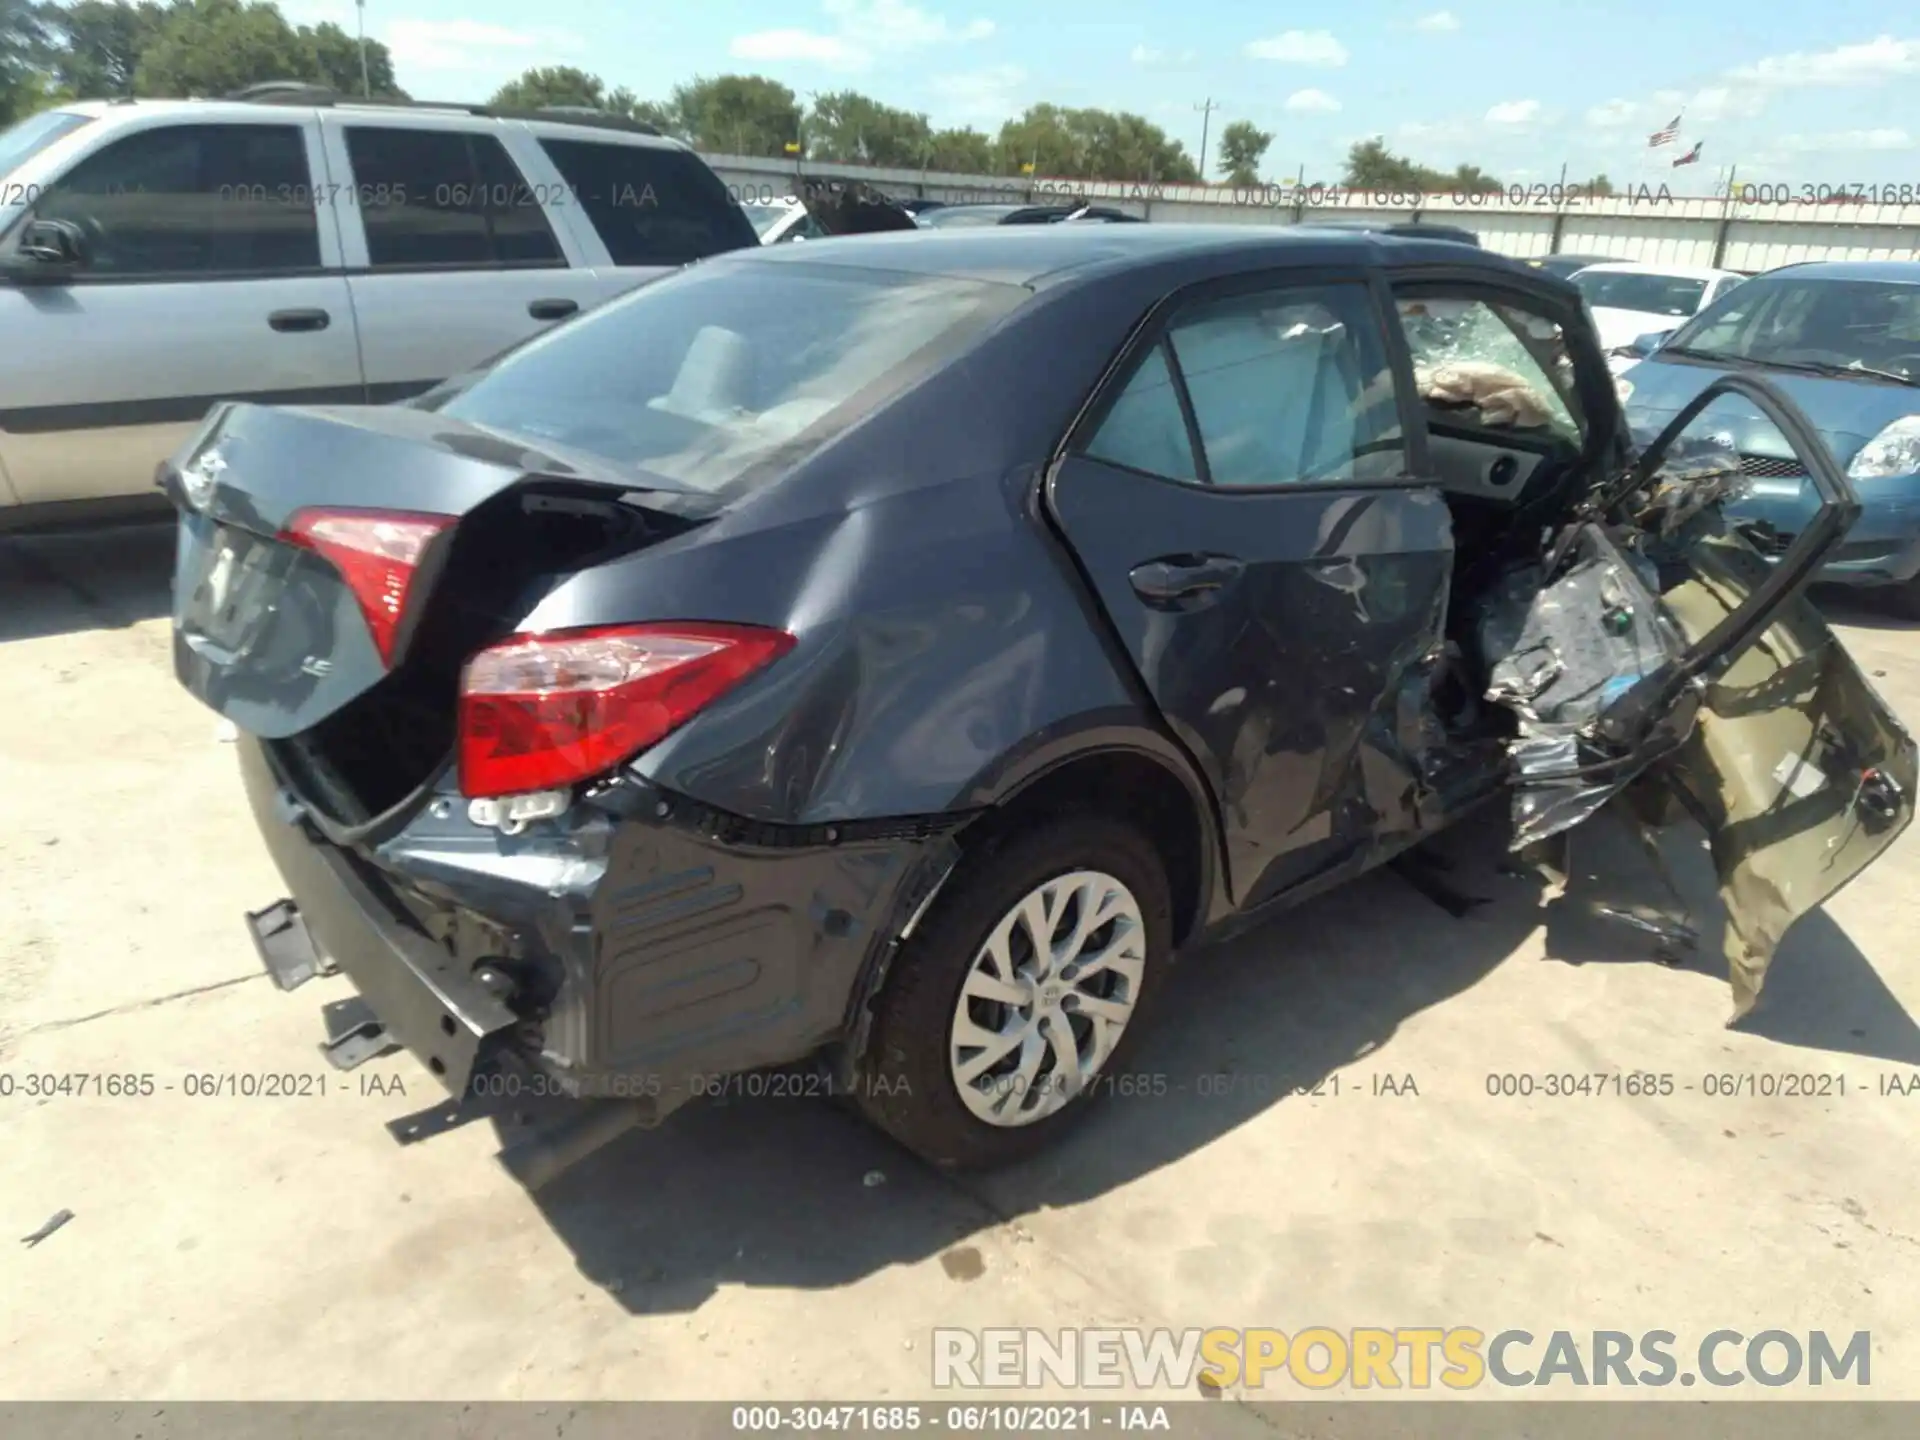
(1667, 136)
(1691, 155)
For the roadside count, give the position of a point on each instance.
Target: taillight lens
(377, 553)
(541, 711)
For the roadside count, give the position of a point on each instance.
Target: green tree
(737, 115)
(552, 85)
(334, 61)
(1371, 166)
(98, 43)
(1470, 180)
(1243, 145)
(852, 127)
(622, 101)
(1598, 185)
(214, 47)
(1091, 145)
(24, 79)
(964, 152)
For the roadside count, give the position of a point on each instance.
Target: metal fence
(1756, 228)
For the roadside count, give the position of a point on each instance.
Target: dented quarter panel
(1775, 764)
(941, 628)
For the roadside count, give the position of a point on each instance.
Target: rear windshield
(720, 376)
(20, 143)
(1632, 290)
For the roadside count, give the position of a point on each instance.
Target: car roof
(1676, 272)
(609, 127)
(1034, 255)
(1892, 272)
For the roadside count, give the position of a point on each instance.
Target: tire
(908, 1084)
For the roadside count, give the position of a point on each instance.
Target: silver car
(289, 247)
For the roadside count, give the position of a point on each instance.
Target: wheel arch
(1122, 767)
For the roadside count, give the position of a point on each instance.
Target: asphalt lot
(247, 1247)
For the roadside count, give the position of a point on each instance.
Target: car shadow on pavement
(801, 1193)
(63, 582)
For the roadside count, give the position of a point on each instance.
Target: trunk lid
(270, 631)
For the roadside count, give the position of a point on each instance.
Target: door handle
(290, 321)
(552, 309)
(1181, 577)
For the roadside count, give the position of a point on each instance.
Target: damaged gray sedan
(882, 657)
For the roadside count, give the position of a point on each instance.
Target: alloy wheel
(1047, 998)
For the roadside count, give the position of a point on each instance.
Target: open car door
(1698, 679)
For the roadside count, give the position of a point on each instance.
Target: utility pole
(366, 86)
(1206, 121)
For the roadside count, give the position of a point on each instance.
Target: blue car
(1843, 340)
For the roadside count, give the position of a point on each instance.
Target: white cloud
(981, 96)
(1312, 101)
(1148, 55)
(1878, 59)
(473, 45)
(1514, 112)
(1301, 47)
(1880, 139)
(864, 31)
(798, 45)
(1438, 20)
(1613, 114)
(1439, 132)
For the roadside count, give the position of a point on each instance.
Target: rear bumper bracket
(286, 949)
(354, 1034)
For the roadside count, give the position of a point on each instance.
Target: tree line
(102, 49)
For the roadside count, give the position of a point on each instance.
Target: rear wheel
(1014, 1002)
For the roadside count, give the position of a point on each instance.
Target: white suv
(289, 247)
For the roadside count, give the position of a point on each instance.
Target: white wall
(1641, 226)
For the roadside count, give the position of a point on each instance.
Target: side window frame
(1157, 326)
(1600, 412)
(1492, 296)
(329, 243)
(541, 183)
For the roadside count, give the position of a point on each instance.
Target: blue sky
(1785, 92)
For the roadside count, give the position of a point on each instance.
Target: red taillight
(540, 711)
(376, 553)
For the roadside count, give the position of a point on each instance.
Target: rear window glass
(718, 377)
(651, 205)
(1637, 290)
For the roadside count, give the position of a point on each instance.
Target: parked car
(957, 216)
(1843, 339)
(1567, 266)
(917, 205)
(1630, 300)
(290, 247)
(778, 221)
(885, 656)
